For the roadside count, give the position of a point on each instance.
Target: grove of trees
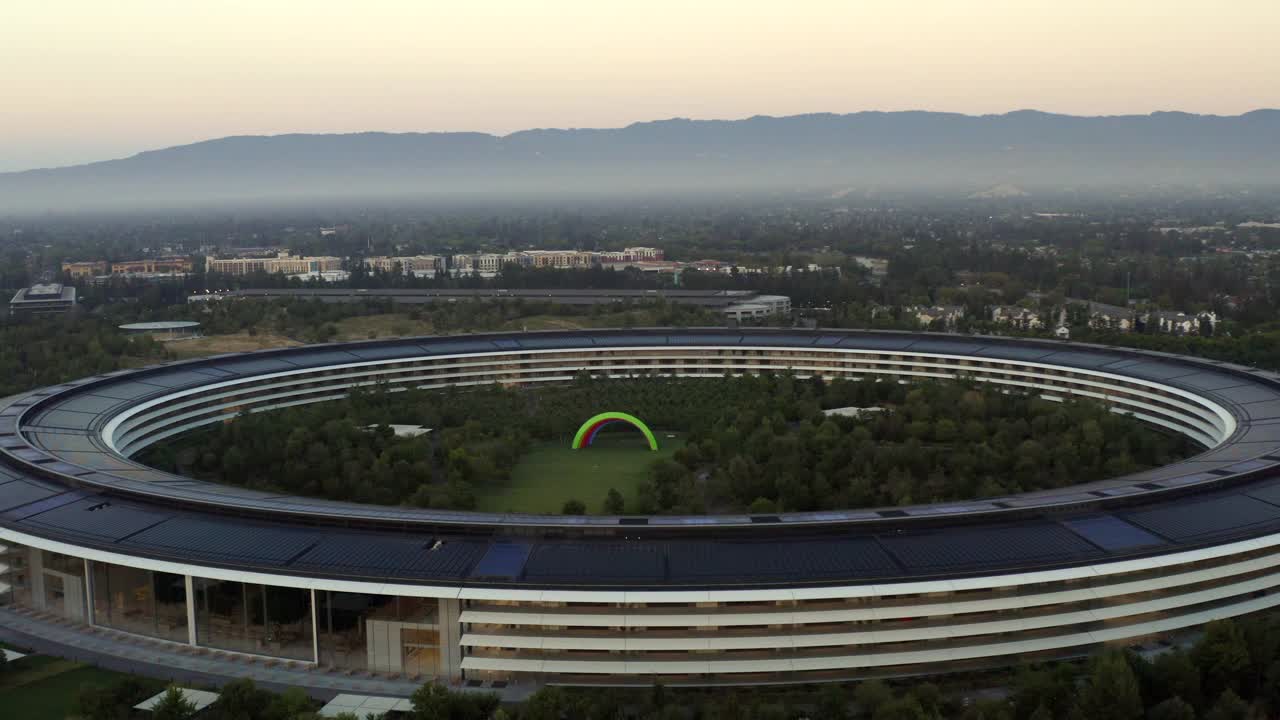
(759, 444)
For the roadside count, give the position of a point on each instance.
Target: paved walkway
(126, 653)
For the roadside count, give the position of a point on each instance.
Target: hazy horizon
(376, 131)
(101, 81)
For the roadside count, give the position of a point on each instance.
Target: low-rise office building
(417, 265)
(85, 269)
(283, 263)
(153, 266)
(43, 298)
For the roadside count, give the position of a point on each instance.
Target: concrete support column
(315, 630)
(450, 639)
(88, 592)
(35, 574)
(191, 610)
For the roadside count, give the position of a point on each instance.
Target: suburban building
(631, 254)
(282, 263)
(559, 258)
(1180, 323)
(759, 306)
(86, 269)
(487, 264)
(947, 315)
(166, 265)
(323, 276)
(418, 265)
(1017, 317)
(878, 266)
(1102, 316)
(44, 298)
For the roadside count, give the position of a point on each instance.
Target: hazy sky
(84, 80)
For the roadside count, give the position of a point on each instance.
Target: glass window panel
(257, 619)
(379, 633)
(140, 601)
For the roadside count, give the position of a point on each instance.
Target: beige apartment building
(428, 265)
(282, 263)
(88, 269)
(152, 265)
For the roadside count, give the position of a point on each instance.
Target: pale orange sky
(83, 80)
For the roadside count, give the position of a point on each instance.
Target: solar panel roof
(1158, 370)
(17, 493)
(1079, 359)
(596, 562)
(876, 343)
(975, 547)
(1112, 533)
(624, 340)
(945, 347)
(100, 518)
(1013, 352)
(386, 353)
(778, 560)
(449, 348)
(257, 366)
(208, 538)
(317, 359)
(503, 560)
(384, 556)
(1197, 519)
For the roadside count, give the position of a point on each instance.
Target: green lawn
(39, 687)
(552, 473)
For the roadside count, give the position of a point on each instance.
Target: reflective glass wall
(375, 633)
(258, 619)
(45, 581)
(144, 602)
(15, 585)
(61, 583)
(379, 633)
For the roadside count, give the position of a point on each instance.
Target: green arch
(587, 433)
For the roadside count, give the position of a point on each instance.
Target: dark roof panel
(971, 548)
(944, 347)
(251, 366)
(457, 346)
(1079, 359)
(1014, 352)
(596, 562)
(17, 493)
(503, 559)
(209, 538)
(319, 358)
(876, 342)
(1267, 410)
(1194, 520)
(629, 340)
(374, 555)
(99, 518)
(1112, 533)
(126, 389)
(778, 560)
(1158, 370)
(405, 350)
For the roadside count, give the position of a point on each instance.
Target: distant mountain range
(1025, 150)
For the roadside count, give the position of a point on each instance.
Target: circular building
(94, 538)
(164, 329)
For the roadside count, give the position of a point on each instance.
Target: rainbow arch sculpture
(587, 433)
